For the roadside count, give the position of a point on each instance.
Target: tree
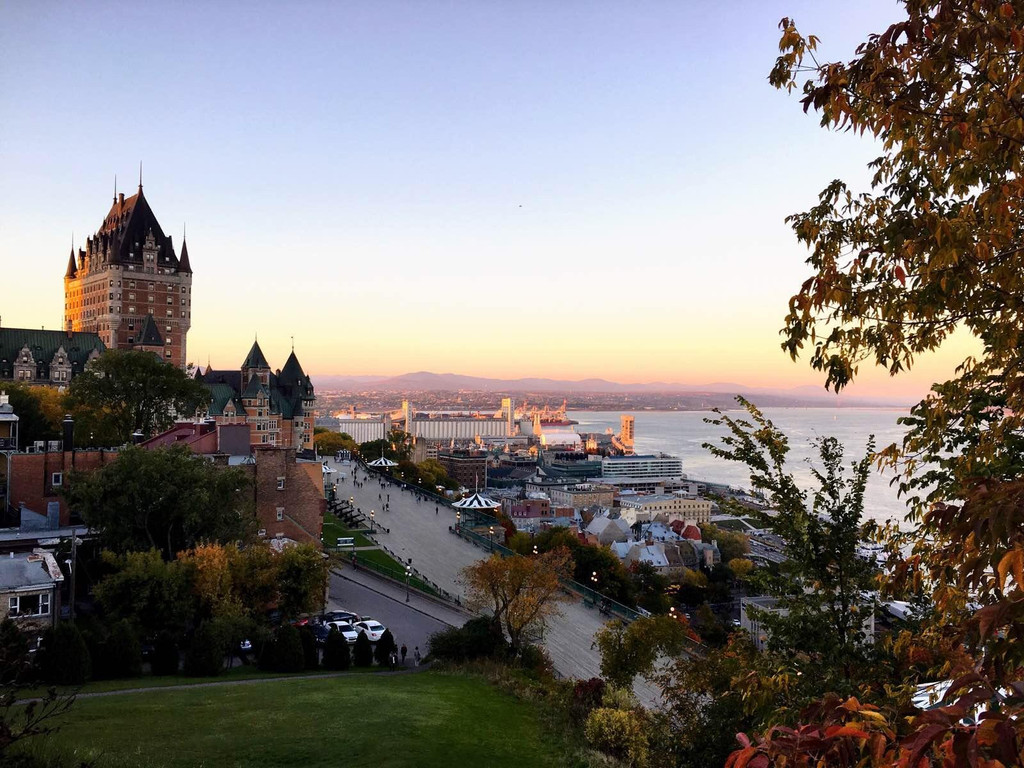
(328, 442)
(816, 627)
(283, 652)
(362, 653)
(63, 656)
(336, 651)
(21, 721)
(137, 392)
(147, 590)
(301, 580)
(211, 576)
(166, 659)
(628, 650)
(730, 545)
(935, 245)
(167, 499)
(34, 420)
(386, 644)
(205, 654)
(521, 592)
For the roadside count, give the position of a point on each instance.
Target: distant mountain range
(425, 381)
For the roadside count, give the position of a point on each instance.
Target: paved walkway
(423, 534)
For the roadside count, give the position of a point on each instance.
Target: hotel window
(280, 483)
(56, 479)
(280, 514)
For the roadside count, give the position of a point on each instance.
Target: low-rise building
(665, 507)
(33, 356)
(606, 531)
(467, 468)
(582, 495)
(30, 589)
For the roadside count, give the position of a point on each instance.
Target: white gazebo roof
(382, 462)
(476, 501)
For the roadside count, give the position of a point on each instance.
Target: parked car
(345, 616)
(320, 632)
(372, 629)
(347, 630)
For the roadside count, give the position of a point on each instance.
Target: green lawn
(334, 529)
(422, 720)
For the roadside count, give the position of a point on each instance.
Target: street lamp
(593, 578)
(458, 518)
(408, 575)
(71, 581)
(535, 552)
(491, 536)
(371, 521)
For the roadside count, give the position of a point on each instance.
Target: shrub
(386, 644)
(586, 696)
(477, 638)
(362, 655)
(621, 733)
(205, 655)
(536, 660)
(283, 653)
(310, 654)
(122, 651)
(336, 652)
(14, 656)
(165, 655)
(64, 657)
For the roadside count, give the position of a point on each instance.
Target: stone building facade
(128, 272)
(46, 357)
(277, 406)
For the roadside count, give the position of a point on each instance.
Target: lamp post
(535, 552)
(408, 575)
(371, 521)
(593, 578)
(458, 518)
(71, 595)
(490, 535)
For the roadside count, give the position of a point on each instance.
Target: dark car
(344, 616)
(320, 632)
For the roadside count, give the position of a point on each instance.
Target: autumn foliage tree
(936, 245)
(520, 592)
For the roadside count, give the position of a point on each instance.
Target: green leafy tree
(631, 650)
(362, 652)
(386, 644)
(301, 580)
(730, 545)
(147, 590)
(167, 499)
(166, 656)
(205, 654)
(63, 656)
(136, 392)
(34, 422)
(337, 655)
(329, 442)
(817, 628)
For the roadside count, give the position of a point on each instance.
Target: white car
(372, 629)
(347, 630)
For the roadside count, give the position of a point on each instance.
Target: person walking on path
(404, 652)
(416, 655)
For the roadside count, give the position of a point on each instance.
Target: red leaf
(901, 275)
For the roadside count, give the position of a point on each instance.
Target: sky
(564, 189)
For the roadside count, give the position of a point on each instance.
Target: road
(422, 530)
(411, 623)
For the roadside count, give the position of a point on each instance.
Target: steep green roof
(44, 345)
(255, 358)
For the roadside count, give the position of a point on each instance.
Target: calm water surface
(681, 433)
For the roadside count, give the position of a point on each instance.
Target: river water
(682, 433)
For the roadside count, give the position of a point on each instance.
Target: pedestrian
(404, 652)
(435, 510)
(394, 659)
(416, 655)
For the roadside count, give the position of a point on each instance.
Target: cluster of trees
(933, 246)
(122, 392)
(328, 442)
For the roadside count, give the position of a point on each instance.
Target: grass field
(422, 720)
(333, 530)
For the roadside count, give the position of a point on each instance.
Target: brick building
(289, 494)
(278, 407)
(37, 479)
(467, 468)
(129, 272)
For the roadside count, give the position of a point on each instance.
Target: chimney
(137, 437)
(120, 198)
(69, 432)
